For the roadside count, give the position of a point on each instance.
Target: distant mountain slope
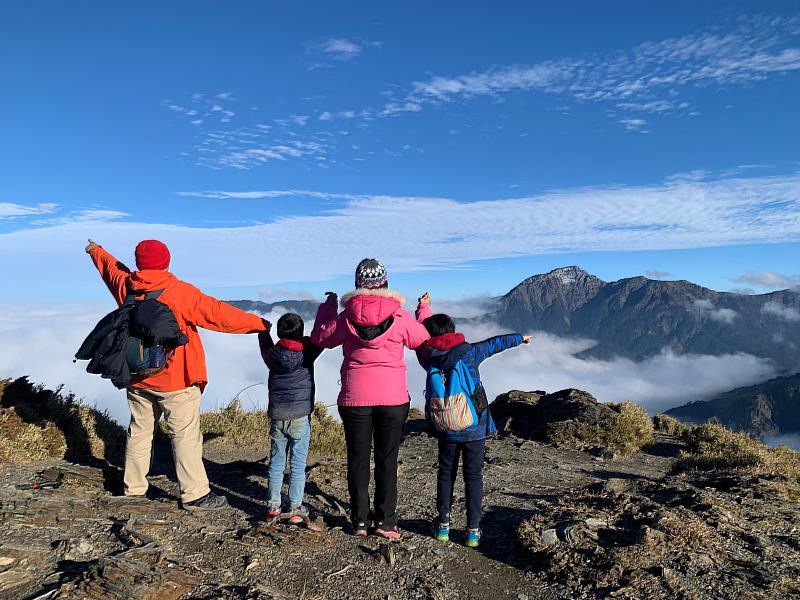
(761, 410)
(305, 308)
(638, 317)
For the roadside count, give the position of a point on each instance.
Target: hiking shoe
(274, 512)
(360, 528)
(441, 531)
(388, 533)
(208, 502)
(299, 515)
(473, 538)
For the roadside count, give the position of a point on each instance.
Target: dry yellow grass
(327, 434)
(712, 447)
(251, 428)
(23, 442)
(626, 431)
(670, 425)
(36, 423)
(415, 414)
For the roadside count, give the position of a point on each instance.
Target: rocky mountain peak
(567, 276)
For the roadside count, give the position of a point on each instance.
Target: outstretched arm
(424, 307)
(264, 344)
(210, 313)
(495, 345)
(312, 350)
(329, 327)
(115, 274)
(415, 333)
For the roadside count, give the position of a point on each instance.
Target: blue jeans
(294, 435)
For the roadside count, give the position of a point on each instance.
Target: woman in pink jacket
(373, 402)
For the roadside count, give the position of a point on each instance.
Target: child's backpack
(451, 406)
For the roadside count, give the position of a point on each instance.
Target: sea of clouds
(40, 342)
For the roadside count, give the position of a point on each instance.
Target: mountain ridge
(762, 410)
(637, 317)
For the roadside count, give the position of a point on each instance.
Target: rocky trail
(594, 527)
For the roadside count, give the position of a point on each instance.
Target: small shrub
(623, 432)
(715, 448)
(415, 414)
(529, 536)
(631, 429)
(670, 425)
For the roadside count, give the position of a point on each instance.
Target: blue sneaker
(441, 531)
(473, 538)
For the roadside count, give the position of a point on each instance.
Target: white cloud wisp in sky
(417, 233)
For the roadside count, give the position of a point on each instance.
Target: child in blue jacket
(443, 351)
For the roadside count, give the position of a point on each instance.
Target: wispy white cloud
(768, 279)
(327, 53)
(646, 78)
(634, 124)
(781, 311)
(259, 194)
(250, 157)
(10, 210)
(421, 233)
(202, 108)
(723, 315)
(658, 274)
(340, 48)
(88, 215)
(635, 86)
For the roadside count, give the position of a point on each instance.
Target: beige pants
(181, 411)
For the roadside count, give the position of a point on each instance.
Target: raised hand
(526, 339)
(332, 298)
(425, 298)
(90, 245)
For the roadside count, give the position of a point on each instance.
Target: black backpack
(133, 342)
(143, 356)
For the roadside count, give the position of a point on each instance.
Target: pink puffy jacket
(373, 371)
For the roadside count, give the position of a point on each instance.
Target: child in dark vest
(442, 352)
(291, 402)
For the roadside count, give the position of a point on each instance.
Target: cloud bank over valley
(40, 342)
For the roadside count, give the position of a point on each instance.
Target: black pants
(472, 454)
(362, 426)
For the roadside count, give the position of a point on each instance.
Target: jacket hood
(150, 280)
(285, 360)
(295, 345)
(444, 351)
(369, 308)
(446, 341)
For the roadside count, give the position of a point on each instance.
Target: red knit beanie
(152, 254)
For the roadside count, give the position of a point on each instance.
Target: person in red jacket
(175, 391)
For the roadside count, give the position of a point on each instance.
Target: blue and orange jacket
(444, 351)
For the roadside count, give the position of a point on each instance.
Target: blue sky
(272, 145)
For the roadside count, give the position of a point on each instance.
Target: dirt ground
(82, 541)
